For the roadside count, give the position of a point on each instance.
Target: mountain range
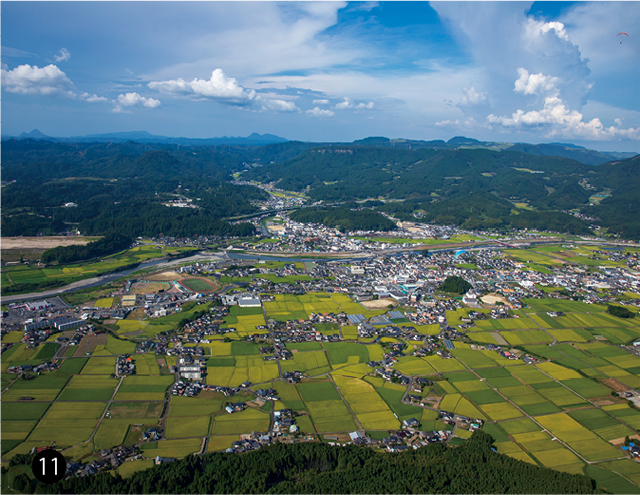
(565, 150)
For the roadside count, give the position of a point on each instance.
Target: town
(234, 354)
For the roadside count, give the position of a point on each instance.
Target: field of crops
(557, 413)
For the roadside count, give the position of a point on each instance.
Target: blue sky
(326, 71)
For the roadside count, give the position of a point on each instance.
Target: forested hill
(317, 468)
(121, 188)
(362, 172)
(479, 188)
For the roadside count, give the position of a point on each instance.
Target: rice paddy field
(290, 307)
(558, 413)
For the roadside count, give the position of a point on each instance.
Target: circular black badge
(49, 466)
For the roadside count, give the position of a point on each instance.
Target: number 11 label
(49, 466)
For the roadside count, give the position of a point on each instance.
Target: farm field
(557, 413)
(66, 274)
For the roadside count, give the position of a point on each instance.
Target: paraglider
(622, 34)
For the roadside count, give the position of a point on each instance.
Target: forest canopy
(319, 468)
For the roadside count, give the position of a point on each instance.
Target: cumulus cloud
(535, 84)
(558, 120)
(317, 112)
(472, 97)
(321, 102)
(517, 40)
(537, 76)
(447, 123)
(347, 103)
(134, 100)
(91, 98)
(64, 55)
(473, 103)
(32, 80)
(219, 88)
(279, 105)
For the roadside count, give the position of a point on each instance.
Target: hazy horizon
(533, 72)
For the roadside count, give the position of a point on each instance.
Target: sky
(530, 72)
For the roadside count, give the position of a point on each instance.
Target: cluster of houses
(284, 423)
(632, 449)
(248, 442)
(293, 331)
(233, 407)
(463, 422)
(108, 459)
(152, 434)
(401, 441)
(267, 394)
(29, 368)
(186, 389)
(192, 368)
(125, 365)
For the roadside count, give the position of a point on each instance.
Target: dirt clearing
(164, 276)
(379, 303)
(44, 242)
(615, 385)
(93, 341)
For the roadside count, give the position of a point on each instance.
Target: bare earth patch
(149, 288)
(620, 441)
(164, 276)
(44, 242)
(617, 386)
(494, 298)
(93, 341)
(379, 303)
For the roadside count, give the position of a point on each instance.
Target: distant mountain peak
(35, 134)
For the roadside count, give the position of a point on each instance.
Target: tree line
(109, 244)
(318, 468)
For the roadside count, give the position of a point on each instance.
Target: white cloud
(7, 51)
(367, 106)
(501, 38)
(557, 120)
(219, 87)
(279, 105)
(447, 123)
(364, 6)
(317, 112)
(134, 100)
(594, 27)
(92, 98)
(64, 55)
(321, 102)
(472, 97)
(347, 103)
(535, 84)
(27, 79)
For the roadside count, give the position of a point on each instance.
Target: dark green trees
(455, 284)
